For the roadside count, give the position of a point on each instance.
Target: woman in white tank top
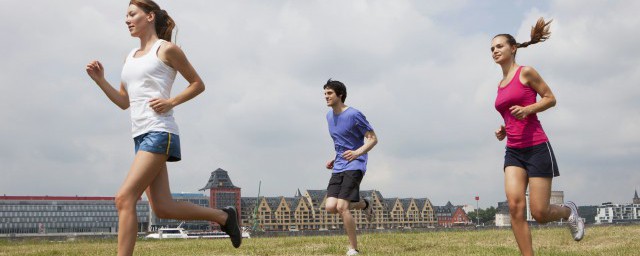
(147, 77)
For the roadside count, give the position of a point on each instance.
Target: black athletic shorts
(345, 185)
(538, 160)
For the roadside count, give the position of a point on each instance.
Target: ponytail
(164, 24)
(539, 33)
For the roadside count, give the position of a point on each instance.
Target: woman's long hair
(164, 24)
(539, 33)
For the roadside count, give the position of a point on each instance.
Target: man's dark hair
(337, 87)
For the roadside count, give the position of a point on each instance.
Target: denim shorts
(538, 160)
(159, 143)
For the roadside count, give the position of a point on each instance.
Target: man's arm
(370, 140)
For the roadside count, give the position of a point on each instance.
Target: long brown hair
(539, 33)
(164, 24)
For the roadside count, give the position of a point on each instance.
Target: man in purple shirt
(352, 137)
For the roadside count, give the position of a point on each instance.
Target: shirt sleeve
(361, 123)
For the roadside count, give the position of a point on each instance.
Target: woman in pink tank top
(529, 159)
(147, 77)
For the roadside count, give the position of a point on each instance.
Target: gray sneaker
(576, 224)
(368, 211)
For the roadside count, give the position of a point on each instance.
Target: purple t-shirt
(347, 130)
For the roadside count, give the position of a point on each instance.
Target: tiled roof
(219, 179)
(389, 203)
(405, 203)
(273, 202)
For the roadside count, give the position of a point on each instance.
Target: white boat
(168, 233)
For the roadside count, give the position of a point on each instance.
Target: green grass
(599, 240)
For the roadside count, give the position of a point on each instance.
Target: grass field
(599, 240)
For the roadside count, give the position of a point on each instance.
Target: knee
(125, 202)
(516, 209)
(540, 215)
(331, 209)
(343, 208)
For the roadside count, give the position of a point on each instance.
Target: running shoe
(368, 211)
(576, 224)
(231, 226)
(352, 252)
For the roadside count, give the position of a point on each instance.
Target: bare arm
(175, 57)
(95, 70)
(547, 99)
(370, 140)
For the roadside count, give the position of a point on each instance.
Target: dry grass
(599, 240)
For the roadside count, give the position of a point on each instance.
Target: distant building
(503, 218)
(306, 211)
(222, 192)
(619, 213)
(450, 215)
(64, 214)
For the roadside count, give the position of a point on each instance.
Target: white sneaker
(576, 224)
(351, 252)
(368, 212)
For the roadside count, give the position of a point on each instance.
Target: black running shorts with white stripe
(538, 160)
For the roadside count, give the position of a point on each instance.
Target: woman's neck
(147, 40)
(507, 67)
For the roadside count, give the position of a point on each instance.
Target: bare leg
(349, 222)
(150, 170)
(515, 185)
(539, 197)
(357, 205)
(165, 207)
(144, 169)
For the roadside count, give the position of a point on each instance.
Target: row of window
(62, 214)
(59, 225)
(40, 208)
(63, 219)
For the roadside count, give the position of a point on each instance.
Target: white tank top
(147, 77)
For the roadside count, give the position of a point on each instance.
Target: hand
(501, 133)
(519, 112)
(350, 155)
(95, 70)
(330, 164)
(160, 105)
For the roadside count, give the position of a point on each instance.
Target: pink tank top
(520, 133)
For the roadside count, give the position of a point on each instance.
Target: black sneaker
(231, 226)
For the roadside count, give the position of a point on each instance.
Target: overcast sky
(421, 72)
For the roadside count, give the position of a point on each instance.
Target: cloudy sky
(421, 72)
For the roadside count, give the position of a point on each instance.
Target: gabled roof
(442, 209)
(389, 203)
(248, 202)
(273, 202)
(405, 203)
(219, 179)
(422, 202)
(317, 195)
(292, 202)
